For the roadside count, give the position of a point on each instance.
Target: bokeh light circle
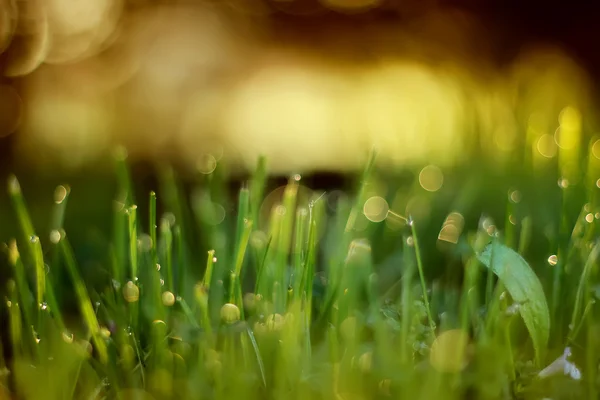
(376, 209)
(431, 178)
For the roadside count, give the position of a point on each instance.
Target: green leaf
(524, 287)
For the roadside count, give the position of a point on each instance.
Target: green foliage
(303, 294)
(525, 289)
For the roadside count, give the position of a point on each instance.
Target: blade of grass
(421, 270)
(133, 246)
(33, 242)
(257, 187)
(152, 226)
(22, 288)
(85, 304)
(166, 235)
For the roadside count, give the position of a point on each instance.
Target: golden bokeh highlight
(175, 80)
(515, 196)
(207, 164)
(449, 351)
(546, 146)
(376, 209)
(431, 178)
(452, 228)
(553, 260)
(596, 149)
(60, 193)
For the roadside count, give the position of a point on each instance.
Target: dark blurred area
(309, 83)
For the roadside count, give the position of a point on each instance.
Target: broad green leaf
(524, 287)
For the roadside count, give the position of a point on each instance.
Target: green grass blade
(421, 270)
(133, 241)
(85, 304)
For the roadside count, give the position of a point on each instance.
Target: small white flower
(561, 365)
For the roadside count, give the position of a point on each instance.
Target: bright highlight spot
(431, 178)
(452, 228)
(206, 164)
(546, 146)
(553, 260)
(448, 352)
(515, 196)
(376, 209)
(596, 149)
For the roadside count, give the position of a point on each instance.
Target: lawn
(478, 282)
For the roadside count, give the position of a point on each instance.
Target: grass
(313, 296)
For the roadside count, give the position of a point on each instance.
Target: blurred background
(442, 88)
(311, 84)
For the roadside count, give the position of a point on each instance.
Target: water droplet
(563, 183)
(587, 207)
(55, 236)
(598, 183)
(8, 303)
(168, 299)
(44, 306)
(116, 284)
(13, 185)
(34, 239)
(158, 267)
(512, 219)
(597, 215)
(131, 292)
(297, 177)
(515, 196)
(589, 218)
(553, 260)
(162, 282)
(214, 259)
(60, 194)
(410, 241)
